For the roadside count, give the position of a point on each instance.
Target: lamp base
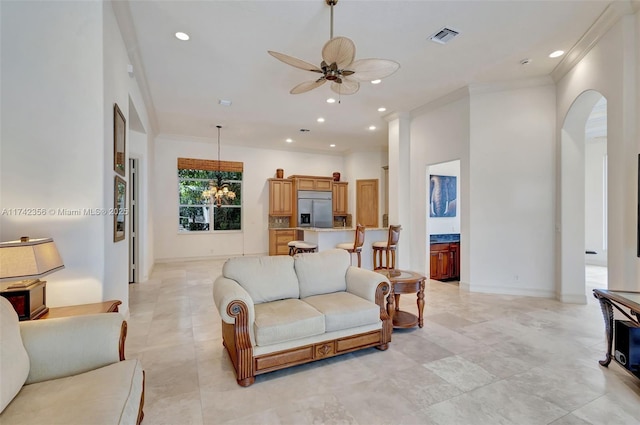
(30, 301)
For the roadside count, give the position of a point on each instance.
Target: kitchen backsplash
(278, 222)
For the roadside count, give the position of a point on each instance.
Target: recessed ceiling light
(372, 127)
(224, 102)
(332, 145)
(289, 140)
(556, 54)
(182, 36)
(331, 100)
(376, 81)
(382, 109)
(320, 119)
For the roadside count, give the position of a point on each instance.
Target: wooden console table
(621, 301)
(82, 309)
(404, 282)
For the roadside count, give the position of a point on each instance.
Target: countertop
(326, 229)
(445, 238)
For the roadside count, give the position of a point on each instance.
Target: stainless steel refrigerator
(315, 208)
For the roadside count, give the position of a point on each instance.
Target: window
(197, 214)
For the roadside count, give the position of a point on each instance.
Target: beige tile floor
(480, 359)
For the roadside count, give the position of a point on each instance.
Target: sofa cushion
(286, 320)
(322, 272)
(264, 278)
(109, 395)
(343, 310)
(14, 361)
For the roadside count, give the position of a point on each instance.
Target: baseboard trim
(505, 290)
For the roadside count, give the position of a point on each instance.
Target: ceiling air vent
(444, 35)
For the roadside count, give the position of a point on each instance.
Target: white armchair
(67, 371)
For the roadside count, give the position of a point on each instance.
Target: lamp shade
(28, 259)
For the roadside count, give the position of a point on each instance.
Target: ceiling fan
(338, 65)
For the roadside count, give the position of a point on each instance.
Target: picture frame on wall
(119, 208)
(119, 140)
(442, 196)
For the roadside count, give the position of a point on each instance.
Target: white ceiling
(227, 58)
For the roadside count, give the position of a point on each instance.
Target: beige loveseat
(67, 371)
(282, 311)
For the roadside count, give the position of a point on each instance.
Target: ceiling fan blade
(347, 87)
(340, 50)
(372, 69)
(307, 86)
(298, 63)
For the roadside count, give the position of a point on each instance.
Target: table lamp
(22, 263)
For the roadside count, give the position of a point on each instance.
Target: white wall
(611, 69)
(439, 134)
(53, 137)
(594, 229)
(259, 165)
(512, 175)
(57, 139)
(444, 225)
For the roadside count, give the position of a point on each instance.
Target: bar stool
(292, 247)
(302, 246)
(388, 247)
(356, 245)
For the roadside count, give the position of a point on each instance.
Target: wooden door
(367, 202)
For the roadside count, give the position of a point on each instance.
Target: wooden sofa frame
(123, 337)
(237, 341)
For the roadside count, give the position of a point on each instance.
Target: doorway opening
(443, 221)
(583, 197)
(134, 246)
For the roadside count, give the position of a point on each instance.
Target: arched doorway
(572, 221)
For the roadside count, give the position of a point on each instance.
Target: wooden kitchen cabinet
(280, 197)
(445, 261)
(279, 238)
(340, 198)
(312, 182)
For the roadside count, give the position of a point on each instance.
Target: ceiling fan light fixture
(338, 65)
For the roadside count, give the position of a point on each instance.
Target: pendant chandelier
(218, 191)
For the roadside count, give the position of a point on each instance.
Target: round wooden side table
(404, 282)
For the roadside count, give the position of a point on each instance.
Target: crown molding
(590, 38)
(127, 30)
(522, 83)
(453, 96)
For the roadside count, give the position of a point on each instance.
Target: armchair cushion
(343, 310)
(264, 278)
(14, 361)
(322, 272)
(109, 395)
(286, 320)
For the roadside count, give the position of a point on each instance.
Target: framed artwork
(119, 143)
(119, 208)
(442, 196)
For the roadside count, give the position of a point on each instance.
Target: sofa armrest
(364, 283)
(226, 292)
(71, 345)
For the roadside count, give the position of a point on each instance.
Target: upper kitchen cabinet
(280, 197)
(340, 198)
(312, 183)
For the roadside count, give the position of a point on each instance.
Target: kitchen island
(328, 238)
